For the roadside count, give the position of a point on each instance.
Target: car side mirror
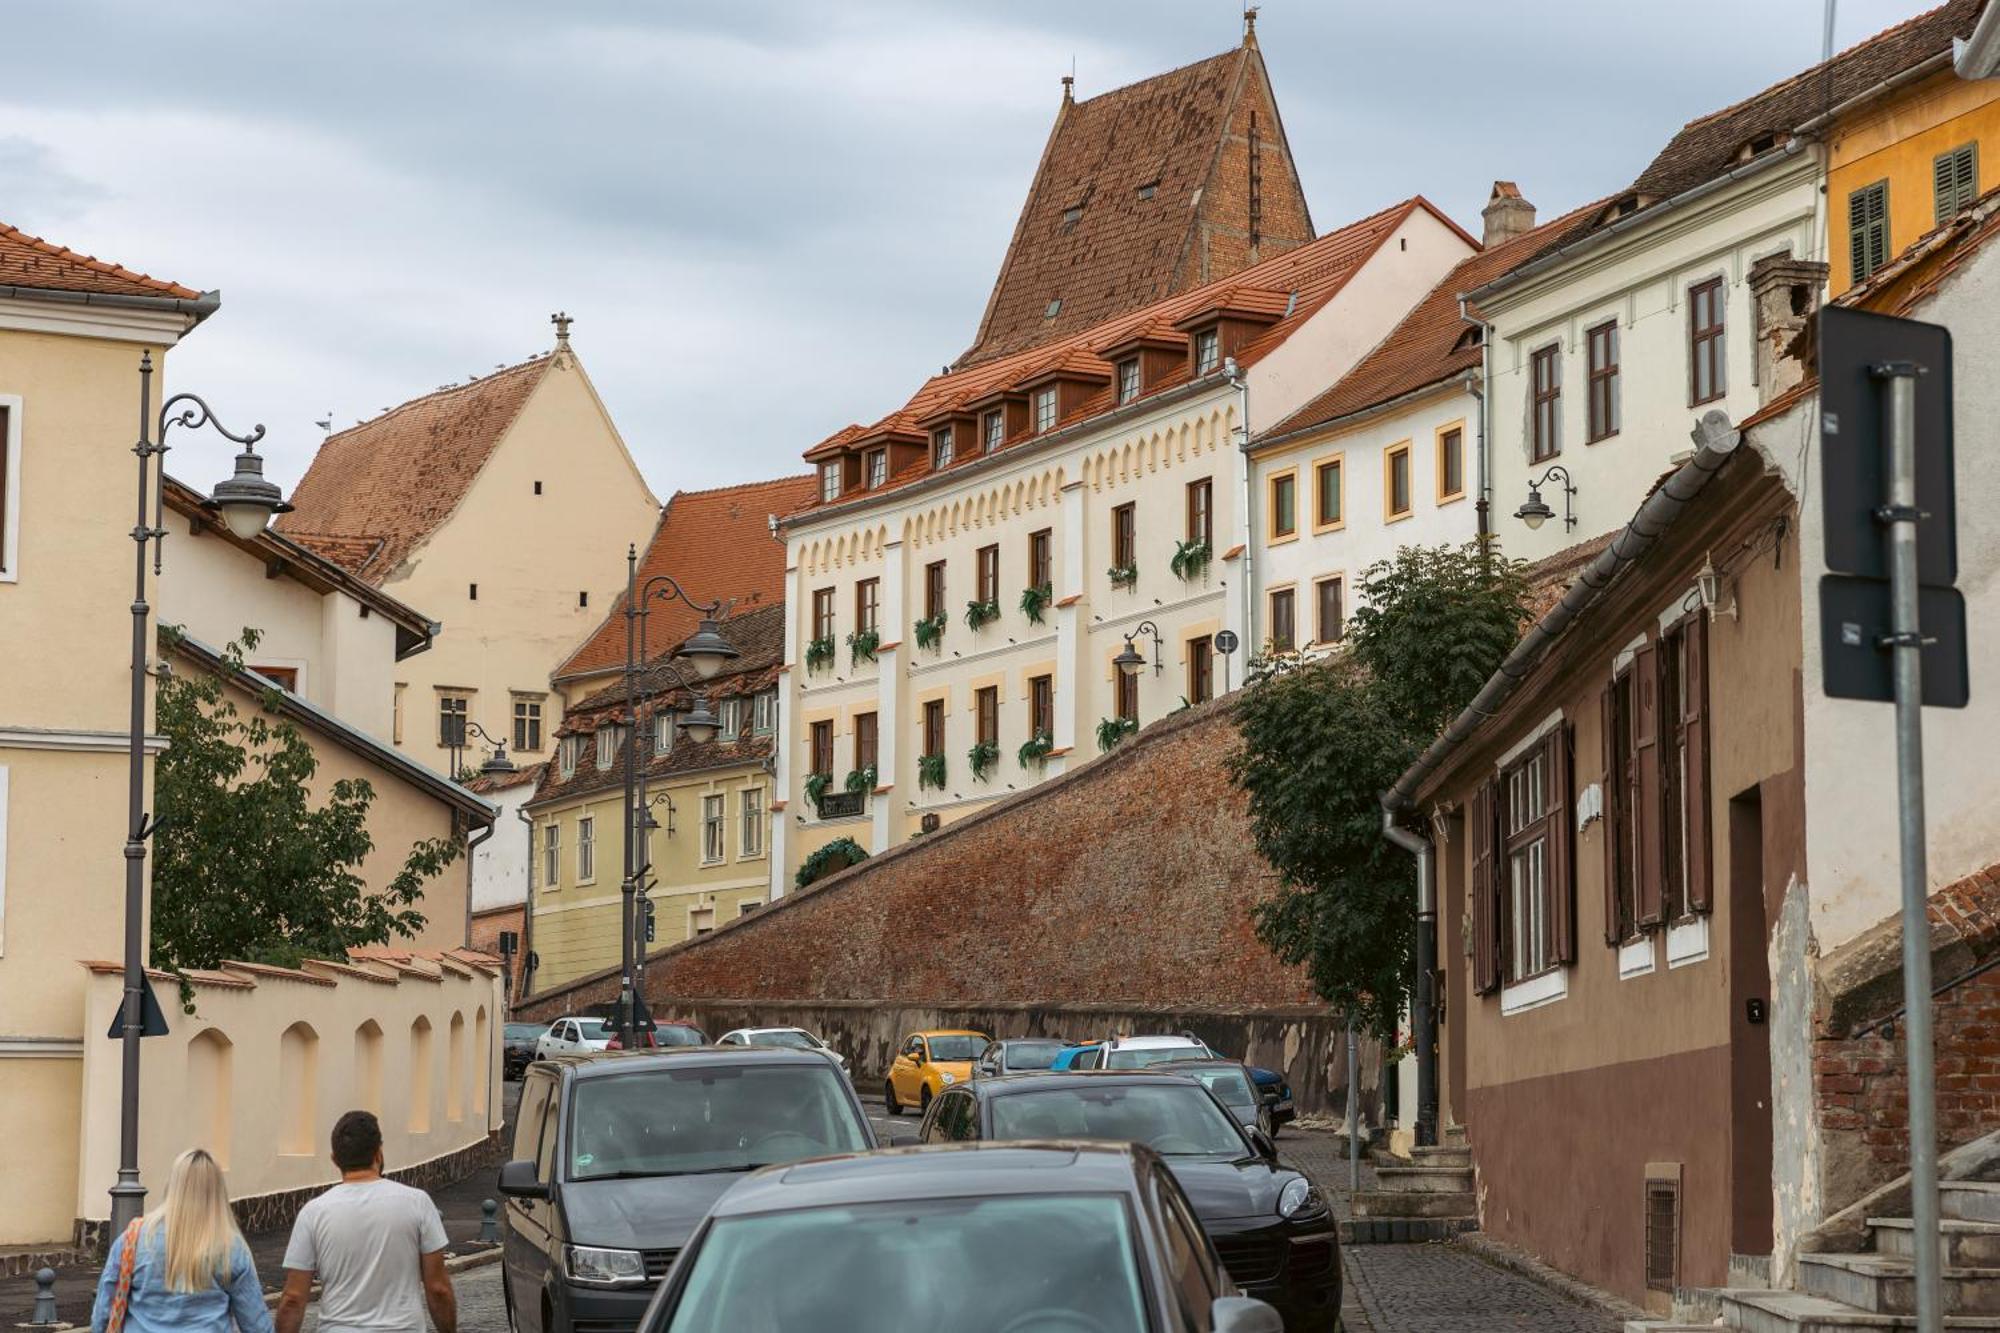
(1244, 1314)
(916, 1057)
(1262, 1143)
(518, 1181)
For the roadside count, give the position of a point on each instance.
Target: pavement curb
(1502, 1255)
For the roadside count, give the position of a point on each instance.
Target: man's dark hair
(357, 1137)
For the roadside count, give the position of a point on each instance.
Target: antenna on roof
(326, 425)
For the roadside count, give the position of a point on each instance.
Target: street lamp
(1128, 660)
(1535, 511)
(245, 503)
(497, 764)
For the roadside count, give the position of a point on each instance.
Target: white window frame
(714, 819)
(1046, 412)
(607, 746)
(552, 856)
(732, 718)
(534, 851)
(877, 462)
(1128, 379)
(764, 717)
(586, 849)
(752, 842)
(829, 482)
(10, 521)
(1207, 350)
(663, 731)
(942, 447)
(993, 429)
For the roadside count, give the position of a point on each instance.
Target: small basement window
(1663, 1234)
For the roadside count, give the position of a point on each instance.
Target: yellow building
(707, 850)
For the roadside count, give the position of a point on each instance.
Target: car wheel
(924, 1100)
(889, 1097)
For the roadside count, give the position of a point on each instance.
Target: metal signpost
(1887, 495)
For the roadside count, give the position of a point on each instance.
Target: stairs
(1426, 1196)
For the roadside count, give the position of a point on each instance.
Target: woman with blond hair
(182, 1268)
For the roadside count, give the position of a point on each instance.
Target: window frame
(10, 488)
(1125, 695)
(1868, 244)
(1125, 535)
(552, 856)
(1335, 463)
(819, 745)
(1532, 835)
(528, 715)
(1960, 199)
(823, 624)
(1708, 346)
(829, 481)
(935, 589)
(1286, 596)
(933, 722)
(987, 568)
(1042, 705)
(993, 430)
(1205, 350)
(1201, 513)
(867, 605)
(751, 810)
(942, 448)
(1199, 655)
(1288, 478)
(1338, 582)
(448, 715)
(1041, 559)
(1047, 409)
(1127, 372)
(1400, 451)
(1545, 403)
(714, 828)
(586, 849)
(1450, 434)
(986, 715)
(867, 740)
(1603, 406)
(874, 469)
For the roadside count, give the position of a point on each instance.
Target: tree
(245, 865)
(1322, 740)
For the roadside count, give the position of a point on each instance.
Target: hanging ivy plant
(1123, 576)
(835, 856)
(1034, 601)
(819, 653)
(1190, 560)
(981, 759)
(930, 771)
(862, 644)
(1112, 730)
(816, 785)
(979, 613)
(929, 631)
(860, 780)
(1034, 751)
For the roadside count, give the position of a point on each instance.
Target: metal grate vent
(1663, 1235)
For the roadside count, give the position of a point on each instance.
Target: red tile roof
(1087, 238)
(376, 491)
(719, 545)
(29, 261)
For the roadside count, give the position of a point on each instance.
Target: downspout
(1241, 384)
(527, 913)
(1423, 1008)
(1483, 496)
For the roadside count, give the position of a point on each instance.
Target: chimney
(1784, 294)
(1507, 214)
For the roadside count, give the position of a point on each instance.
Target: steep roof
(719, 545)
(376, 491)
(31, 262)
(1127, 205)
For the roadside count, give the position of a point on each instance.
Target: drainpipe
(471, 844)
(1423, 1009)
(527, 911)
(1476, 386)
(1241, 384)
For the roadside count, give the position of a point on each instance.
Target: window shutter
(1562, 843)
(1700, 859)
(1485, 926)
(1944, 185)
(1614, 787)
(1857, 235)
(1646, 800)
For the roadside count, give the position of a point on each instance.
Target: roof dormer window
(1072, 215)
(941, 448)
(1128, 379)
(1045, 409)
(993, 430)
(1055, 308)
(1471, 338)
(877, 467)
(829, 482)
(1149, 189)
(1207, 350)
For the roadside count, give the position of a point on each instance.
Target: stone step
(1394, 1203)
(1965, 1244)
(1447, 1156)
(1665, 1326)
(1454, 1135)
(1758, 1311)
(1424, 1179)
(1886, 1284)
(1970, 1200)
(1402, 1230)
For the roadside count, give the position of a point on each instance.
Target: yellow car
(928, 1063)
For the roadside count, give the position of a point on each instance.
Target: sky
(768, 219)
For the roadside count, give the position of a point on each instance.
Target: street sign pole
(1899, 517)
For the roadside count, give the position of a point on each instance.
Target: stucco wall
(500, 863)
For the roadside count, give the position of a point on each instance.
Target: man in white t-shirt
(377, 1248)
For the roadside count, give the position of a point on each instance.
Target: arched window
(420, 1076)
(298, 1090)
(209, 1093)
(368, 1067)
(482, 1061)
(454, 1070)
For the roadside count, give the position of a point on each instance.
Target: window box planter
(860, 781)
(981, 758)
(1190, 560)
(862, 645)
(981, 613)
(931, 771)
(1034, 601)
(1112, 730)
(819, 654)
(816, 785)
(836, 855)
(1034, 751)
(1123, 576)
(929, 632)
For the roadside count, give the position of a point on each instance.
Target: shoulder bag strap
(125, 1264)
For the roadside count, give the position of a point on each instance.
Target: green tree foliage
(1322, 740)
(245, 864)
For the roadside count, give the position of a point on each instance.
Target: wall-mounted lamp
(1709, 584)
(1536, 511)
(1129, 662)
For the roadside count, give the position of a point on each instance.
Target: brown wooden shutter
(1649, 896)
(1562, 843)
(1613, 789)
(1699, 840)
(1485, 925)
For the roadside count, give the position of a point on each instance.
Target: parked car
(517, 1047)
(661, 1034)
(1272, 1089)
(1231, 1084)
(1081, 1238)
(797, 1039)
(1269, 1223)
(928, 1063)
(1018, 1055)
(573, 1036)
(618, 1155)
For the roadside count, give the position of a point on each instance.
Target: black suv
(619, 1154)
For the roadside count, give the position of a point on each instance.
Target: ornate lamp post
(245, 502)
(1128, 661)
(497, 764)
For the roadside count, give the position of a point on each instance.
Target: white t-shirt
(365, 1239)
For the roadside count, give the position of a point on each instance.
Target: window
(552, 856)
(1545, 381)
(582, 600)
(1041, 570)
(472, 592)
(934, 589)
(877, 467)
(569, 750)
(829, 481)
(1867, 229)
(701, 921)
(941, 448)
(586, 850)
(1955, 180)
(865, 732)
(527, 725)
(995, 428)
(1207, 350)
(1602, 345)
(752, 804)
(1042, 706)
(711, 829)
(452, 709)
(764, 716)
(1125, 536)
(1284, 621)
(1683, 691)
(1146, 191)
(9, 466)
(1329, 493)
(663, 731)
(821, 759)
(607, 745)
(284, 677)
(1707, 376)
(1622, 805)
(1128, 695)
(1284, 505)
(1200, 670)
(933, 727)
(1530, 913)
(1045, 409)
(1396, 481)
(1128, 380)
(1201, 512)
(989, 574)
(731, 719)
(1523, 882)
(1330, 622)
(867, 599)
(822, 613)
(986, 715)
(1451, 463)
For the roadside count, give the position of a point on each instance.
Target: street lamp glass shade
(700, 724)
(497, 765)
(1536, 511)
(1128, 660)
(707, 651)
(247, 501)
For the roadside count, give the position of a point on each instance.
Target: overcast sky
(769, 219)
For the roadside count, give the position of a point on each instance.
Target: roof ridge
(541, 359)
(791, 479)
(1819, 66)
(1163, 74)
(104, 266)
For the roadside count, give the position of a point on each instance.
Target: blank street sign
(1853, 617)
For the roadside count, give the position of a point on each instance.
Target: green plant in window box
(1112, 730)
(1034, 601)
(816, 785)
(860, 780)
(978, 613)
(1190, 560)
(819, 654)
(836, 855)
(1034, 751)
(929, 631)
(862, 644)
(1123, 576)
(981, 759)
(930, 771)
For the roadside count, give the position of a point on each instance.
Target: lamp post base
(128, 1202)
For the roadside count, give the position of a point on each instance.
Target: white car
(1138, 1052)
(797, 1039)
(573, 1036)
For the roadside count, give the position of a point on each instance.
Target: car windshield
(524, 1031)
(1070, 1264)
(1173, 1119)
(958, 1046)
(1032, 1054)
(677, 1034)
(1228, 1085)
(592, 1029)
(787, 1037)
(667, 1121)
(1139, 1057)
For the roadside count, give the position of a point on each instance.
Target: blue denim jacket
(153, 1308)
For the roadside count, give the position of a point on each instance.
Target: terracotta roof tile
(30, 261)
(719, 545)
(386, 485)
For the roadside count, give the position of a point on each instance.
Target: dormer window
(993, 430)
(1147, 190)
(1128, 379)
(941, 448)
(1055, 308)
(1207, 350)
(877, 467)
(1470, 339)
(829, 482)
(1072, 215)
(1045, 409)
(1763, 143)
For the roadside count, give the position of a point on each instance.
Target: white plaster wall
(500, 864)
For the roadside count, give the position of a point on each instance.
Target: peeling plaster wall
(1796, 1153)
